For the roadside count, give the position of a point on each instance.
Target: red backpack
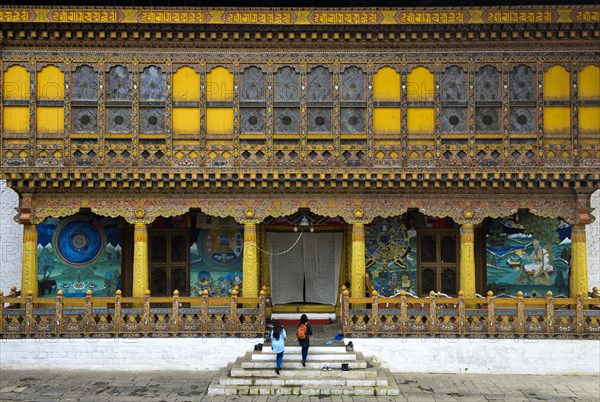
(301, 333)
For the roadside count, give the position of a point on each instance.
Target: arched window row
(416, 102)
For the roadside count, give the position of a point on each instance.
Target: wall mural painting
(216, 256)
(391, 256)
(528, 253)
(77, 254)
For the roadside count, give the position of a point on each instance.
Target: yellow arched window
(386, 97)
(50, 86)
(557, 99)
(589, 101)
(15, 87)
(420, 92)
(219, 98)
(186, 101)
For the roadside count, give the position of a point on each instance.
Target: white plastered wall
(11, 240)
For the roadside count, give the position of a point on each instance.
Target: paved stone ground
(60, 385)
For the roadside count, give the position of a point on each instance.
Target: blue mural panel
(216, 257)
(391, 258)
(531, 255)
(78, 254)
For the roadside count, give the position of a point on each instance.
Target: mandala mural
(390, 251)
(216, 261)
(78, 241)
(78, 254)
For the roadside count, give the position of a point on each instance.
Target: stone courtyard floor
(62, 385)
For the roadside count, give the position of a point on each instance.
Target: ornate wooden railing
(34, 317)
(471, 317)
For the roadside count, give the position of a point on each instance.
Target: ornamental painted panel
(118, 120)
(353, 84)
(77, 254)
(118, 84)
(487, 85)
(454, 120)
(152, 84)
(253, 85)
(253, 120)
(286, 85)
(286, 120)
(319, 85)
(531, 255)
(454, 85)
(152, 120)
(319, 120)
(84, 84)
(353, 120)
(391, 256)
(84, 119)
(487, 120)
(522, 120)
(216, 255)
(522, 84)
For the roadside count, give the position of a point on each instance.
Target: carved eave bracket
(352, 208)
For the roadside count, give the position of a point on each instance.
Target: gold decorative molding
(302, 16)
(254, 207)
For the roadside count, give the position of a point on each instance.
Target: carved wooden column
(579, 274)
(140, 259)
(358, 268)
(467, 260)
(29, 280)
(250, 263)
(579, 269)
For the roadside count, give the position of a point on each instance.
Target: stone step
(318, 372)
(330, 357)
(297, 365)
(311, 350)
(217, 389)
(254, 374)
(305, 382)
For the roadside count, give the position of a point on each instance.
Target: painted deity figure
(539, 269)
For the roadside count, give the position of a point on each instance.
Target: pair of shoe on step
(327, 368)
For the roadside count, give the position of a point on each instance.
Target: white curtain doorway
(309, 271)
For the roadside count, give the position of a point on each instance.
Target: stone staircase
(254, 374)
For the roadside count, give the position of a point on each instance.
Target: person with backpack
(304, 332)
(278, 344)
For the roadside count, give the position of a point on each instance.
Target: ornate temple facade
(302, 150)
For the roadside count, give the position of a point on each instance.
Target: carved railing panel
(131, 317)
(472, 317)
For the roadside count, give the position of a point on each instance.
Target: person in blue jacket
(278, 343)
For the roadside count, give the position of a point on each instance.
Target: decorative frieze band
(254, 208)
(282, 16)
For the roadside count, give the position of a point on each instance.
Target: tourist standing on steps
(304, 332)
(278, 343)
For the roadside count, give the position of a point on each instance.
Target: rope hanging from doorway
(283, 252)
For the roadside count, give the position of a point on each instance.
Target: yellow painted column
(357, 281)
(467, 260)
(29, 281)
(579, 274)
(140, 260)
(250, 269)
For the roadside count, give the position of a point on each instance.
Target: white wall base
(399, 355)
(485, 356)
(119, 354)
